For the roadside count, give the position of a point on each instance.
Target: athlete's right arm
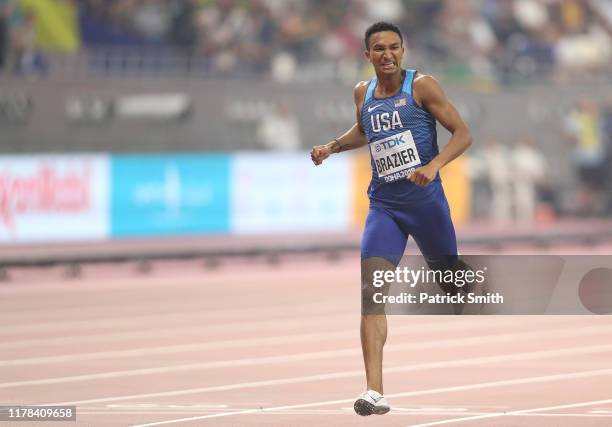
(351, 139)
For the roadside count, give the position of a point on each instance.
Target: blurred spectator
(607, 138)
(504, 40)
(300, 27)
(498, 173)
(607, 126)
(106, 23)
(602, 10)
(510, 35)
(584, 129)
(419, 25)
(151, 19)
(257, 48)
(184, 31)
(28, 59)
(4, 32)
(385, 10)
(479, 183)
(466, 35)
(10, 20)
(223, 27)
(279, 130)
(342, 43)
(528, 172)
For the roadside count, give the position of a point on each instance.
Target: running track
(260, 345)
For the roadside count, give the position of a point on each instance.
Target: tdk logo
(390, 143)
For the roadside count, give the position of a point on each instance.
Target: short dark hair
(379, 27)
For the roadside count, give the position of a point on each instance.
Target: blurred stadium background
(144, 129)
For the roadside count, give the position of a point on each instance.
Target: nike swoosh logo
(370, 109)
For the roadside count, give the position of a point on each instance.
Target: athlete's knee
(374, 284)
(373, 298)
(452, 273)
(442, 263)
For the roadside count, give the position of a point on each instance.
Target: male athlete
(396, 115)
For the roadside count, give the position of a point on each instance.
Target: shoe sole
(364, 408)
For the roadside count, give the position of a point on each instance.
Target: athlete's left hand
(424, 175)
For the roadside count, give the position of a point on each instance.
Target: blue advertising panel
(169, 194)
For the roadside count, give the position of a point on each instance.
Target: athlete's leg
(434, 233)
(373, 321)
(382, 247)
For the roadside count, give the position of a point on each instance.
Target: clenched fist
(320, 153)
(424, 175)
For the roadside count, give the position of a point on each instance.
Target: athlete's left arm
(429, 95)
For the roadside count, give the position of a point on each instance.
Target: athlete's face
(385, 52)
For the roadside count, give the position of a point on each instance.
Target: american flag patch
(400, 102)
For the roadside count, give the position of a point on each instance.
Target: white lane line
(173, 304)
(150, 319)
(476, 386)
(184, 411)
(343, 411)
(445, 364)
(238, 343)
(267, 325)
(175, 349)
(561, 415)
(330, 412)
(513, 413)
(274, 325)
(199, 406)
(319, 355)
(50, 326)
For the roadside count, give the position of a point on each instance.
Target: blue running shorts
(429, 223)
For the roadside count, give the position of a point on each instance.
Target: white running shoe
(371, 402)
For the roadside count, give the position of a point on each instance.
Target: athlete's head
(384, 47)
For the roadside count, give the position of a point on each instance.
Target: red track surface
(259, 345)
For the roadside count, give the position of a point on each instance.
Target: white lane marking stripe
(323, 412)
(513, 413)
(146, 319)
(238, 343)
(348, 374)
(256, 325)
(320, 355)
(476, 386)
(556, 415)
(174, 349)
(272, 325)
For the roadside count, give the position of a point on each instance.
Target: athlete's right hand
(319, 153)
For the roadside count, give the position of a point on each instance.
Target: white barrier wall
(286, 193)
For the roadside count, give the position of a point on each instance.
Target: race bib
(395, 157)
